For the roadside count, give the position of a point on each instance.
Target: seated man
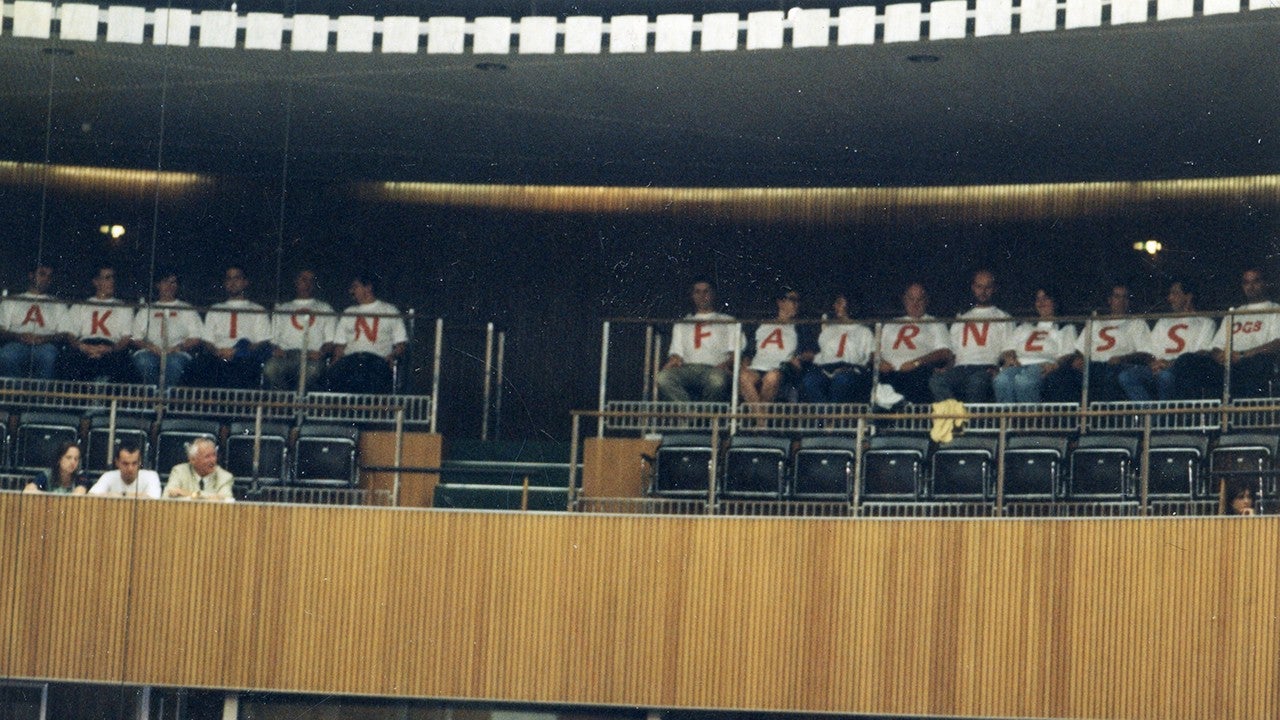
(128, 479)
(913, 347)
(977, 343)
(1111, 344)
(165, 332)
(30, 326)
(200, 478)
(370, 337)
(296, 329)
(236, 331)
(98, 330)
(1181, 365)
(1255, 339)
(700, 363)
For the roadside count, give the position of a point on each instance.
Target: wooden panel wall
(1047, 618)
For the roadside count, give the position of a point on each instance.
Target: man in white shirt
(699, 364)
(370, 337)
(303, 324)
(30, 325)
(98, 332)
(128, 479)
(1113, 343)
(200, 478)
(1181, 364)
(1255, 338)
(913, 347)
(237, 332)
(164, 333)
(977, 343)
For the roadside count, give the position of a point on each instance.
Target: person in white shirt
(164, 333)
(237, 334)
(699, 364)
(128, 479)
(1181, 365)
(977, 343)
(303, 324)
(1034, 354)
(369, 339)
(913, 347)
(1112, 343)
(98, 332)
(841, 370)
(30, 327)
(778, 355)
(1255, 338)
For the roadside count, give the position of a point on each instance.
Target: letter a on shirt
(33, 316)
(774, 338)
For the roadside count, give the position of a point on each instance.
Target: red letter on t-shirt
(844, 340)
(979, 336)
(699, 332)
(774, 338)
(98, 324)
(34, 315)
(1035, 341)
(906, 336)
(311, 319)
(1108, 338)
(369, 331)
(1175, 335)
(234, 318)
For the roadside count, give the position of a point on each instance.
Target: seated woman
(777, 359)
(841, 371)
(1036, 350)
(64, 475)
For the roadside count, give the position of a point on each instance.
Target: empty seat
(1102, 467)
(823, 468)
(100, 458)
(1174, 463)
(893, 467)
(326, 455)
(756, 467)
(273, 452)
(1243, 460)
(38, 436)
(963, 468)
(173, 436)
(1032, 467)
(682, 465)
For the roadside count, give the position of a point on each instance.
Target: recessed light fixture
(60, 52)
(923, 58)
(496, 67)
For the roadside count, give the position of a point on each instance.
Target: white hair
(193, 447)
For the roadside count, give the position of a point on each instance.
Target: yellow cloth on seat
(945, 427)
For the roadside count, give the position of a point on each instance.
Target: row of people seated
(237, 343)
(983, 356)
(898, 467)
(199, 478)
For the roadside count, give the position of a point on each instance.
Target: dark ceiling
(1185, 98)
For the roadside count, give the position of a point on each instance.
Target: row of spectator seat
(907, 467)
(317, 455)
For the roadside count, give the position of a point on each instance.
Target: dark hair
(1189, 286)
(783, 291)
(128, 445)
(166, 272)
(373, 280)
(703, 279)
(1239, 490)
(55, 471)
(42, 264)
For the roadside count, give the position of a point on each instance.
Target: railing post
(497, 390)
(111, 431)
(435, 374)
(737, 374)
(574, 439)
(1084, 373)
(1228, 349)
(713, 466)
(645, 382)
(1001, 443)
(399, 457)
(859, 436)
(304, 362)
(604, 377)
(1144, 474)
(257, 446)
(875, 364)
(488, 380)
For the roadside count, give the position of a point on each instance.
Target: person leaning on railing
(63, 476)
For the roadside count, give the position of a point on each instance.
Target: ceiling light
(923, 58)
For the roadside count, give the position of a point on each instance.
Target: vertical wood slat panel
(1115, 618)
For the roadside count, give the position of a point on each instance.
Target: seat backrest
(748, 442)
(908, 443)
(1104, 442)
(1041, 443)
(970, 443)
(829, 442)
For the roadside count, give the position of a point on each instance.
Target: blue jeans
(1138, 381)
(147, 364)
(22, 360)
(848, 384)
(1019, 384)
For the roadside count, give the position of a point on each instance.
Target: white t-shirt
(146, 485)
(775, 343)
(361, 330)
(909, 338)
(226, 324)
(1172, 337)
(844, 343)
(1249, 331)
(171, 323)
(703, 342)
(1114, 337)
(29, 314)
(96, 319)
(291, 321)
(979, 343)
(1042, 342)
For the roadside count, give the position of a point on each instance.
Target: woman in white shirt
(776, 360)
(1035, 350)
